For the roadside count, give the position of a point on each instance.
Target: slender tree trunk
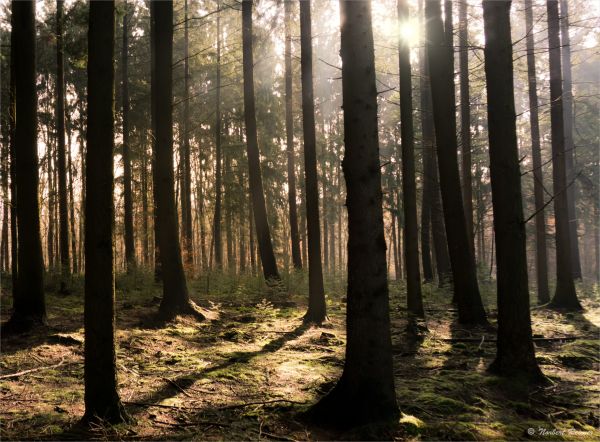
(289, 130)
(102, 402)
(251, 232)
(175, 298)
(127, 193)
(145, 229)
(464, 271)
(515, 354)
(218, 248)
(316, 293)
(14, 253)
(541, 262)
(51, 204)
(29, 307)
(465, 120)
(263, 233)
(569, 144)
(186, 190)
(72, 201)
(228, 212)
(409, 187)
(565, 295)
(365, 391)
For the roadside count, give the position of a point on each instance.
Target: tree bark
(464, 273)
(289, 130)
(29, 304)
(365, 391)
(316, 293)
(541, 259)
(127, 194)
(102, 402)
(515, 353)
(175, 298)
(569, 143)
(565, 295)
(263, 232)
(409, 188)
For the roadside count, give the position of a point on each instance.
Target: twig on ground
(33, 370)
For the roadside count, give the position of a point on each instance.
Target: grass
(249, 372)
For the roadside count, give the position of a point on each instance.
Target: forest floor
(250, 371)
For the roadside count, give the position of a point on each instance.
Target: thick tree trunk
(515, 353)
(186, 190)
(541, 261)
(29, 307)
(465, 120)
(127, 194)
(365, 391)
(316, 293)
(409, 188)
(102, 402)
(464, 272)
(569, 143)
(565, 295)
(289, 131)
(263, 233)
(175, 298)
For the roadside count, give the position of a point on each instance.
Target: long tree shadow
(184, 382)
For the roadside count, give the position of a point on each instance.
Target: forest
(290, 220)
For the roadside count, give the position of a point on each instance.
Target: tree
(102, 402)
(565, 295)
(175, 298)
(218, 248)
(365, 391)
(515, 354)
(567, 97)
(63, 203)
(541, 259)
(127, 195)
(466, 290)
(263, 232)
(409, 187)
(29, 309)
(316, 300)
(289, 131)
(465, 119)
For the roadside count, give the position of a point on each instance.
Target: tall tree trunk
(289, 130)
(218, 248)
(51, 204)
(14, 248)
(465, 120)
(145, 229)
(29, 304)
(365, 391)
(565, 295)
(175, 298)
(316, 293)
(263, 233)
(541, 261)
(228, 211)
(70, 168)
(409, 187)
(515, 353)
(464, 272)
(63, 203)
(127, 194)
(102, 402)
(569, 144)
(186, 190)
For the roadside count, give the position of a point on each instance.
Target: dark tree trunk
(569, 144)
(102, 402)
(72, 200)
(565, 295)
(29, 304)
(175, 298)
(541, 262)
(218, 248)
(186, 190)
(263, 233)
(51, 204)
(466, 290)
(465, 120)
(515, 354)
(14, 253)
(145, 229)
(316, 293)
(127, 194)
(409, 188)
(365, 391)
(289, 130)
(228, 211)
